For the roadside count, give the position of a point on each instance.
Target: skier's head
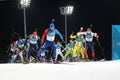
(14, 43)
(51, 26)
(78, 34)
(70, 40)
(89, 30)
(34, 33)
(58, 42)
(11, 44)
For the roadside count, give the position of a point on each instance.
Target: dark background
(102, 14)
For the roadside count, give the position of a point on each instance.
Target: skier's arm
(29, 36)
(62, 46)
(95, 35)
(38, 37)
(72, 36)
(66, 47)
(12, 49)
(59, 34)
(44, 35)
(82, 33)
(83, 38)
(23, 41)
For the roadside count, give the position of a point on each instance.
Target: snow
(107, 70)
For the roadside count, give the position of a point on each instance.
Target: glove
(63, 50)
(63, 41)
(96, 35)
(72, 32)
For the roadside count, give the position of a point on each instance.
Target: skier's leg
(86, 48)
(29, 52)
(46, 44)
(54, 50)
(56, 55)
(81, 49)
(67, 53)
(74, 51)
(92, 49)
(21, 56)
(61, 54)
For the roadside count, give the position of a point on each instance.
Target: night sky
(102, 14)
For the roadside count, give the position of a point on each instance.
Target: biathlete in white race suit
(59, 48)
(15, 51)
(50, 37)
(21, 45)
(89, 40)
(33, 40)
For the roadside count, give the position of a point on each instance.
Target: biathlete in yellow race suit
(79, 40)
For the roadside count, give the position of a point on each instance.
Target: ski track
(104, 70)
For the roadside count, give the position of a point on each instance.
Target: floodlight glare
(25, 3)
(66, 10)
(69, 9)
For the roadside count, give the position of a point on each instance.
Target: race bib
(21, 46)
(33, 42)
(78, 43)
(58, 50)
(89, 39)
(70, 48)
(50, 38)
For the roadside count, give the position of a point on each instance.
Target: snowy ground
(108, 70)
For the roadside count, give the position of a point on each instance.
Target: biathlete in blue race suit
(50, 39)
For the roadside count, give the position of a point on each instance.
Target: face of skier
(52, 28)
(34, 34)
(71, 40)
(14, 43)
(58, 42)
(88, 30)
(11, 44)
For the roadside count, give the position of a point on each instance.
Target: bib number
(50, 38)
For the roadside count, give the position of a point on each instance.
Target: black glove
(63, 41)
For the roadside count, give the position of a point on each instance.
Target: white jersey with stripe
(88, 36)
(33, 40)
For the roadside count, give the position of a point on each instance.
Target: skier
(58, 49)
(33, 40)
(79, 48)
(79, 45)
(89, 41)
(15, 51)
(21, 45)
(50, 37)
(69, 49)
